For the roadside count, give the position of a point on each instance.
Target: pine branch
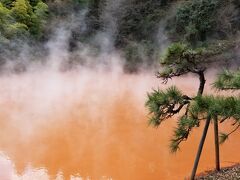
(182, 131)
(223, 137)
(228, 80)
(163, 105)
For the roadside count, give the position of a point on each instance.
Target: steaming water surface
(91, 124)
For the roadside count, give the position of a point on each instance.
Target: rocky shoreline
(226, 173)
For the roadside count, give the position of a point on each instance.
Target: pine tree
(179, 60)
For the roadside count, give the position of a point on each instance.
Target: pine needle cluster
(164, 104)
(228, 80)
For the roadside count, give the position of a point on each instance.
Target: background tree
(194, 19)
(22, 18)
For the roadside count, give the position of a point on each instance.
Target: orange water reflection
(95, 126)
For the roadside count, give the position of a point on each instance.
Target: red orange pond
(93, 125)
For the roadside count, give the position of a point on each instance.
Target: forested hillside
(141, 29)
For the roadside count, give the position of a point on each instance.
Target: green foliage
(16, 30)
(21, 11)
(140, 21)
(39, 19)
(181, 132)
(93, 20)
(220, 106)
(5, 18)
(34, 2)
(41, 10)
(228, 80)
(194, 19)
(217, 106)
(163, 104)
(21, 19)
(174, 53)
(181, 59)
(7, 3)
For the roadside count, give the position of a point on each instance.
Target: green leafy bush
(140, 21)
(196, 18)
(21, 18)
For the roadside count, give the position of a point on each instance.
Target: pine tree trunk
(216, 143)
(202, 81)
(194, 170)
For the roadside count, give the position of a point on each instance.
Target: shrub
(194, 19)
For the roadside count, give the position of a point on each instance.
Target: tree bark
(217, 159)
(202, 82)
(194, 170)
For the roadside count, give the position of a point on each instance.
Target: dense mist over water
(91, 123)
